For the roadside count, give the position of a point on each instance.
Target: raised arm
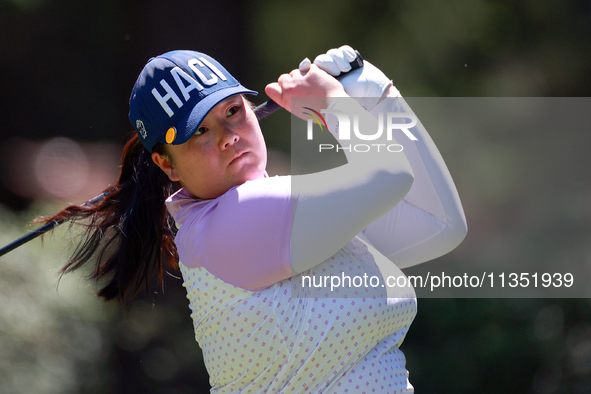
(429, 221)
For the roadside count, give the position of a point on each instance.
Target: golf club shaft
(46, 227)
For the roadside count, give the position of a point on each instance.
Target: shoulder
(241, 234)
(183, 206)
(262, 189)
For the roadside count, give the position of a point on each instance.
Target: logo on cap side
(141, 129)
(170, 135)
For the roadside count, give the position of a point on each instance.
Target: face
(227, 150)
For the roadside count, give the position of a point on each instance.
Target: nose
(228, 138)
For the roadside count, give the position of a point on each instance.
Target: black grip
(270, 106)
(355, 64)
(266, 108)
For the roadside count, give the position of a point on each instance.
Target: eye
(233, 110)
(201, 130)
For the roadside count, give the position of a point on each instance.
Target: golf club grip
(270, 106)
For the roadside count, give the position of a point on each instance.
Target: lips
(238, 156)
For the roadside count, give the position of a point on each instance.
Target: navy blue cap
(173, 94)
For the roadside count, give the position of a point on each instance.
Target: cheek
(254, 129)
(258, 144)
(262, 147)
(197, 161)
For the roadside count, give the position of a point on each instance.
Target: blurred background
(66, 71)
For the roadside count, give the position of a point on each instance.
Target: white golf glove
(367, 82)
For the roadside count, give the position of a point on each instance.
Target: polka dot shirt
(291, 338)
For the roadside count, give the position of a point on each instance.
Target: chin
(253, 172)
(251, 176)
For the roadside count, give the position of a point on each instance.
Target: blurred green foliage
(52, 340)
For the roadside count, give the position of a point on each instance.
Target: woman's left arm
(429, 222)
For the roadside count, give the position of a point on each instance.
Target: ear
(164, 163)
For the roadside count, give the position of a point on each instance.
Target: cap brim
(187, 126)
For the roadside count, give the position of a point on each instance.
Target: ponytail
(129, 234)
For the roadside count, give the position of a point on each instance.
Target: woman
(247, 241)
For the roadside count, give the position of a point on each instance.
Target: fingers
(305, 65)
(348, 52)
(312, 79)
(275, 92)
(295, 75)
(327, 63)
(336, 61)
(285, 82)
(339, 58)
(315, 86)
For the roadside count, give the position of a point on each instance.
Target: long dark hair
(129, 235)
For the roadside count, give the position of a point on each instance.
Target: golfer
(246, 240)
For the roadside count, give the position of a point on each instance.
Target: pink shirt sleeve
(243, 236)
